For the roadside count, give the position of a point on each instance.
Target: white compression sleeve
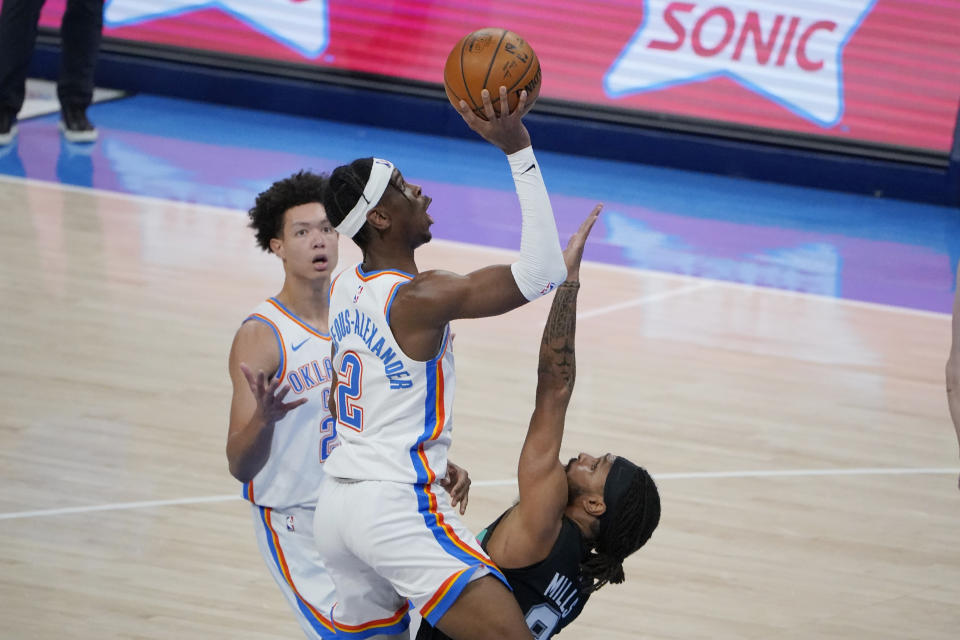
(541, 266)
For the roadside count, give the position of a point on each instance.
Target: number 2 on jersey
(328, 431)
(328, 437)
(349, 390)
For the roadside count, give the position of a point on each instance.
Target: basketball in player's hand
(488, 59)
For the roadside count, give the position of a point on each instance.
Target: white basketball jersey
(304, 438)
(394, 413)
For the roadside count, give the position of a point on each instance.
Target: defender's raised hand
(574, 251)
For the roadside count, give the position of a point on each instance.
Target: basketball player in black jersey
(574, 524)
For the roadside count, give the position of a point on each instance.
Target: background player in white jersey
(276, 445)
(390, 536)
(953, 365)
(573, 525)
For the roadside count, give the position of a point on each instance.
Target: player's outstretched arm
(257, 403)
(442, 296)
(953, 366)
(536, 519)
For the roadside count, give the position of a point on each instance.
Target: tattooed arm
(527, 533)
(557, 369)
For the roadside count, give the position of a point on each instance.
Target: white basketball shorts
(387, 545)
(286, 541)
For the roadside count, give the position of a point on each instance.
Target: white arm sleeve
(541, 266)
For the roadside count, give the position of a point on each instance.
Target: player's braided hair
(345, 189)
(266, 215)
(637, 515)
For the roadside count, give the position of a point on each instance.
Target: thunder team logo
(790, 52)
(301, 25)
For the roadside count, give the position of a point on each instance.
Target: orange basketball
(487, 59)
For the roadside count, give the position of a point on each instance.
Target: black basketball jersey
(548, 592)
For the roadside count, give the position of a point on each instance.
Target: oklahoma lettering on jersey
(305, 437)
(394, 413)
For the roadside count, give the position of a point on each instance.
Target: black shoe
(8, 127)
(75, 125)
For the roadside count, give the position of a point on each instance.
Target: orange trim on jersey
(439, 412)
(333, 282)
(373, 624)
(437, 428)
(431, 476)
(282, 371)
(303, 325)
(285, 570)
(441, 592)
(405, 276)
(386, 305)
(448, 530)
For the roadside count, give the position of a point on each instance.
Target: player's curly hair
(637, 516)
(344, 190)
(266, 215)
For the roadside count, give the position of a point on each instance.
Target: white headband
(380, 175)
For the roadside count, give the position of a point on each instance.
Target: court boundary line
(33, 182)
(642, 300)
(118, 506)
(475, 247)
(684, 277)
(775, 473)
(695, 475)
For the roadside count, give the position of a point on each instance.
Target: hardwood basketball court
(801, 444)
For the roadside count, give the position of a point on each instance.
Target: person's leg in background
(81, 31)
(18, 35)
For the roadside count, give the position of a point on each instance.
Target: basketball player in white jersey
(391, 536)
(953, 365)
(277, 444)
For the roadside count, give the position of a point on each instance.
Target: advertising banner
(875, 71)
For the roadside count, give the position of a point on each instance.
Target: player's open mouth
(427, 206)
(320, 262)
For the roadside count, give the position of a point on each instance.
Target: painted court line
(115, 506)
(683, 277)
(696, 475)
(795, 473)
(653, 297)
(784, 473)
(94, 191)
(474, 247)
